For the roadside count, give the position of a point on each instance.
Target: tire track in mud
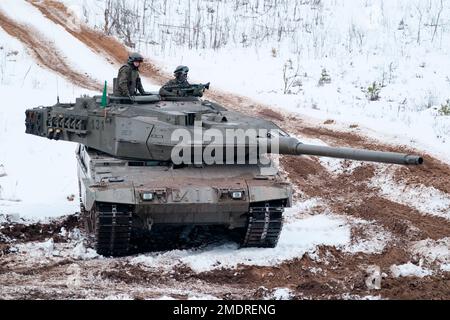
(433, 173)
(347, 194)
(45, 52)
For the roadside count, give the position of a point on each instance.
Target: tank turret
(144, 129)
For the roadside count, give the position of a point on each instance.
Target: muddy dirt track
(350, 192)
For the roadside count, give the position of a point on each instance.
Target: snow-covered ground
(301, 234)
(426, 200)
(38, 175)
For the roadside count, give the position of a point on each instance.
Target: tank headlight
(237, 195)
(147, 196)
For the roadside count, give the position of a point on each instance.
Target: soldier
(128, 80)
(180, 81)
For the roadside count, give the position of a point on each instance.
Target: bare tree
(436, 23)
(419, 25)
(291, 77)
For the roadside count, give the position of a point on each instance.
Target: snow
(80, 252)
(297, 237)
(373, 280)
(63, 232)
(374, 238)
(202, 297)
(348, 296)
(50, 250)
(38, 249)
(427, 200)
(433, 251)
(302, 232)
(445, 267)
(409, 270)
(341, 100)
(282, 294)
(11, 218)
(121, 296)
(164, 297)
(40, 174)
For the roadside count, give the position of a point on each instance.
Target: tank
(170, 161)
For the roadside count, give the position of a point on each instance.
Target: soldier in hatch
(180, 81)
(128, 80)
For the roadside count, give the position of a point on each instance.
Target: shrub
(445, 108)
(373, 92)
(274, 52)
(324, 77)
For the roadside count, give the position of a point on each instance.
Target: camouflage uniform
(128, 81)
(174, 82)
(180, 81)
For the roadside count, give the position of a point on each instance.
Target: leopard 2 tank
(184, 161)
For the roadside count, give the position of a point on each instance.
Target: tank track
(264, 226)
(113, 223)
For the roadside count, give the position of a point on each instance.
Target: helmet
(135, 57)
(181, 69)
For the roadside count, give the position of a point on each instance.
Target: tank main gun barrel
(292, 146)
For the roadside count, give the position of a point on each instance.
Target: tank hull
(159, 194)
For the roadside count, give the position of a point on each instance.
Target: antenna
(57, 90)
(56, 74)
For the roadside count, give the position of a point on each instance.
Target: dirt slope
(349, 194)
(100, 43)
(45, 52)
